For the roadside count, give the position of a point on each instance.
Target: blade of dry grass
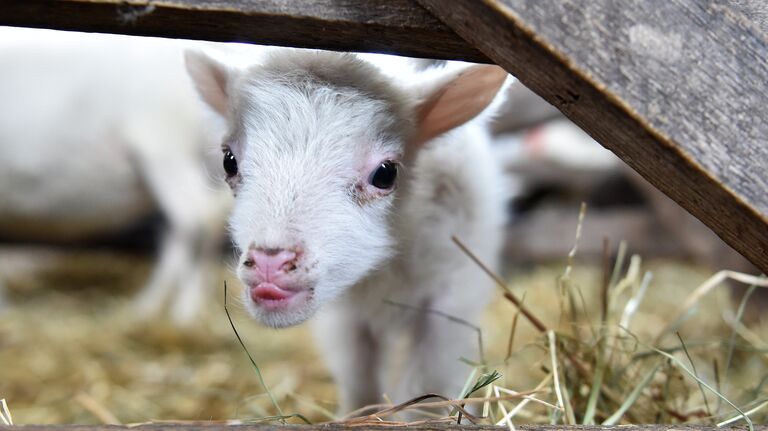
(467, 382)
(732, 339)
(507, 291)
(487, 412)
(619, 264)
(281, 419)
(745, 333)
(96, 409)
(535, 390)
(418, 403)
(633, 274)
(507, 417)
(682, 366)
(631, 398)
(695, 373)
(704, 288)
(311, 404)
(594, 390)
(513, 330)
(575, 248)
(570, 417)
(447, 402)
(448, 317)
(606, 282)
(5, 415)
(747, 413)
(634, 302)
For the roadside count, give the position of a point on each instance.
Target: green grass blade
(281, 416)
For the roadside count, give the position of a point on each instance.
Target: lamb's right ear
(460, 98)
(211, 79)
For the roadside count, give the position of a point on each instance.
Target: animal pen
(677, 89)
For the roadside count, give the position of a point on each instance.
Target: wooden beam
(392, 26)
(677, 88)
(224, 425)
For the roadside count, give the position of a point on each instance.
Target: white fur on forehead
(340, 73)
(304, 99)
(338, 69)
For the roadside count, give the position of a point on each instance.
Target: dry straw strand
(5, 415)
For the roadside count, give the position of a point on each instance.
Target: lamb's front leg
(352, 354)
(435, 359)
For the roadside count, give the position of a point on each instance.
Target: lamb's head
(315, 150)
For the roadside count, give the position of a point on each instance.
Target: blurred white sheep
(99, 131)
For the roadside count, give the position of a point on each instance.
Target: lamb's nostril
(272, 262)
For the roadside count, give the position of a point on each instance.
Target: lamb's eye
(230, 164)
(384, 176)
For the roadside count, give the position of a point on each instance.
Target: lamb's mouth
(271, 297)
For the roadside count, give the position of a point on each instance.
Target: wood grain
(393, 26)
(677, 88)
(219, 426)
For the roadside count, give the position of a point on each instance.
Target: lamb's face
(316, 141)
(314, 168)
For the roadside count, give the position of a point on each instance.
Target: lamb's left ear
(211, 80)
(458, 100)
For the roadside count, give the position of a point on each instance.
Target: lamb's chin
(301, 309)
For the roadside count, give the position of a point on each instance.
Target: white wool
(98, 131)
(304, 126)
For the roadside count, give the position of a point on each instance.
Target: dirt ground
(71, 351)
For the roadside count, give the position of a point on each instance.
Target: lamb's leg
(353, 357)
(194, 221)
(437, 347)
(172, 255)
(453, 194)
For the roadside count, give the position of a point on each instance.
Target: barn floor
(72, 352)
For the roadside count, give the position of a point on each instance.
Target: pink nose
(270, 262)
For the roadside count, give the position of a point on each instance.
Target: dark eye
(230, 164)
(384, 176)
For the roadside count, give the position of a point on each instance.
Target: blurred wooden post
(677, 88)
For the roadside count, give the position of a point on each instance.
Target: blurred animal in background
(98, 132)
(349, 185)
(558, 166)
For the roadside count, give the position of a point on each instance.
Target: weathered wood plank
(677, 88)
(394, 26)
(335, 427)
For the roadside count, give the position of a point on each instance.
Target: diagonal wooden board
(677, 88)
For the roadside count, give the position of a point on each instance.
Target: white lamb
(98, 131)
(348, 187)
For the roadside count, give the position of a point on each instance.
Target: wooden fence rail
(339, 427)
(394, 26)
